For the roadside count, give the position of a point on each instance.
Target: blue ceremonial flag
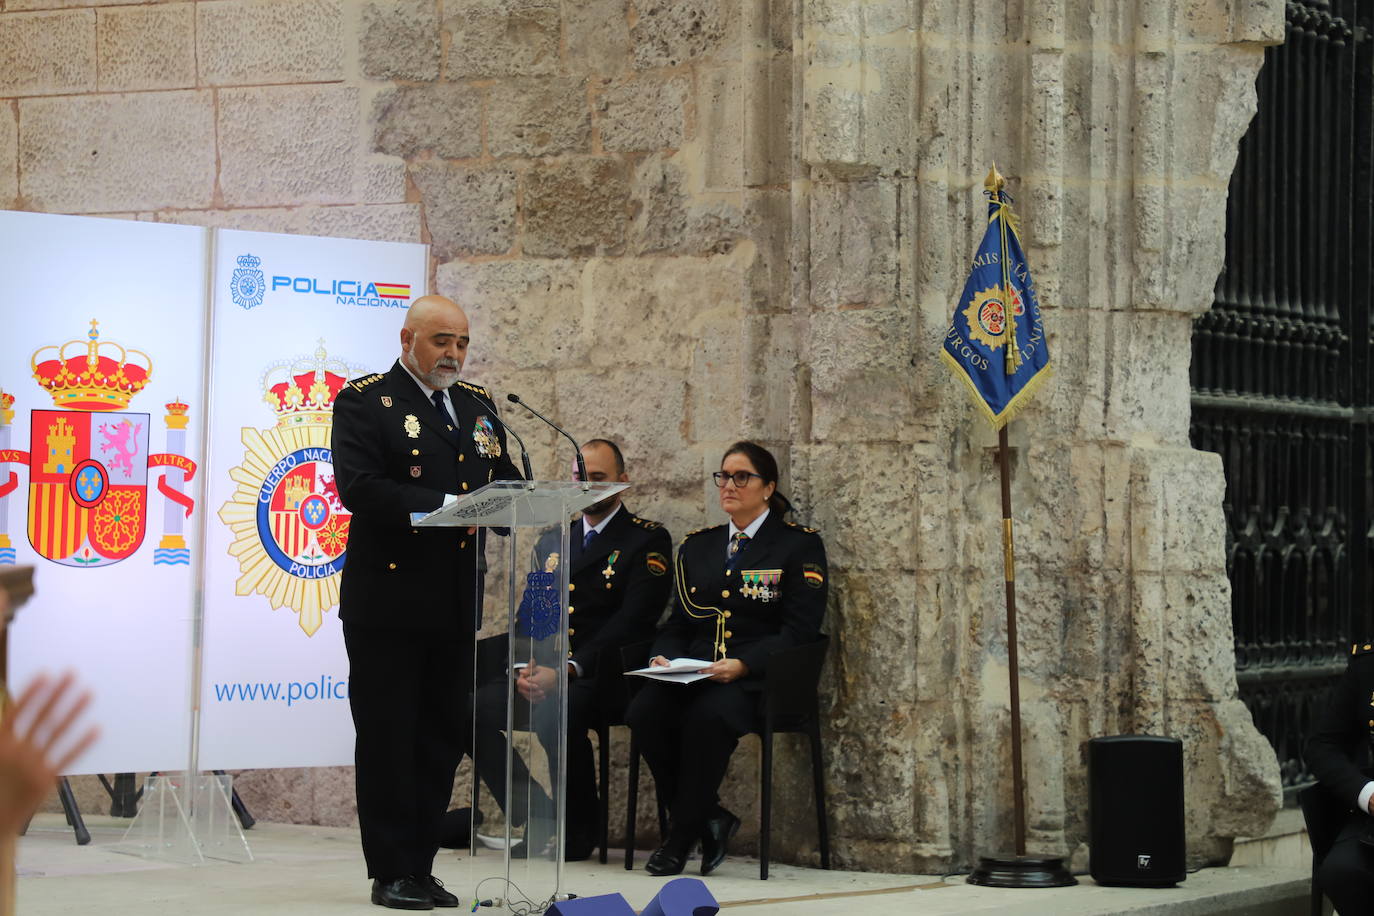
(1002, 359)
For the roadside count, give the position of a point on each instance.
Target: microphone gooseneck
(577, 449)
(524, 452)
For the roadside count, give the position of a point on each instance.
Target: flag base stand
(1021, 871)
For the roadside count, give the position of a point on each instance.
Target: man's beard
(443, 375)
(601, 507)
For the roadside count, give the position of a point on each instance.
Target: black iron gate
(1281, 372)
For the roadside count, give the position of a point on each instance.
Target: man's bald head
(434, 340)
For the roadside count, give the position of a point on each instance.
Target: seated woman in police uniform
(745, 590)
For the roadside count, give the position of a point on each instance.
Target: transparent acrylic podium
(188, 822)
(533, 519)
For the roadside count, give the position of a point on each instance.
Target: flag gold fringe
(1017, 404)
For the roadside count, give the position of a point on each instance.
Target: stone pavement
(307, 870)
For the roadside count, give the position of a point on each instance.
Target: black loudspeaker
(1135, 787)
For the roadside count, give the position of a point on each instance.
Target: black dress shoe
(666, 861)
(437, 894)
(715, 837)
(401, 894)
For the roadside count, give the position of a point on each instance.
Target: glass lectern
(534, 518)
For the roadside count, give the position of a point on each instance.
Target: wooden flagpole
(1020, 869)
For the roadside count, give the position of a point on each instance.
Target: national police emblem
(538, 615)
(987, 317)
(89, 461)
(247, 286)
(290, 528)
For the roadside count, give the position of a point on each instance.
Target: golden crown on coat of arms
(105, 376)
(301, 391)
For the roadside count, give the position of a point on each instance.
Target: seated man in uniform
(620, 578)
(1338, 753)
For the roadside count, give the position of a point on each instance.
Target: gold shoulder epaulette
(803, 528)
(358, 384)
(698, 531)
(477, 388)
(645, 523)
(1362, 648)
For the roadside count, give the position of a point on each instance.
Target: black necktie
(438, 399)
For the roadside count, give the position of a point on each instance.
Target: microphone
(577, 449)
(524, 452)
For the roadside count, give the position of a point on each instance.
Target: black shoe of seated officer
(404, 893)
(715, 838)
(437, 893)
(671, 857)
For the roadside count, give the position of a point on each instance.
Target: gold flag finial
(994, 182)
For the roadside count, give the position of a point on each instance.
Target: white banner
(294, 318)
(100, 419)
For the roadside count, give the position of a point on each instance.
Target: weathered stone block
(864, 540)
(445, 119)
(381, 180)
(288, 144)
(575, 207)
(1148, 383)
(282, 41)
(384, 223)
(643, 114)
(668, 33)
(88, 154)
(537, 310)
(596, 37)
(534, 117)
(147, 47)
(653, 439)
(1177, 525)
(502, 38)
(861, 372)
(669, 219)
(19, 5)
(670, 304)
(1259, 21)
(467, 210)
(853, 244)
(47, 52)
(720, 127)
(9, 156)
(1216, 88)
(399, 40)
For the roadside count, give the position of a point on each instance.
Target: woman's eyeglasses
(739, 478)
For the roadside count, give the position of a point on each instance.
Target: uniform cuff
(1365, 793)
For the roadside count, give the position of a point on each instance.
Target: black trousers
(407, 692)
(490, 745)
(1346, 875)
(687, 733)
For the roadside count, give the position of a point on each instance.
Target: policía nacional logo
(290, 527)
(247, 285)
(987, 317)
(88, 460)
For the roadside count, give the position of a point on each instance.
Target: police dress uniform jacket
(1338, 754)
(408, 602)
(394, 455)
(619, 585)
(1338, 750)
(772, 597)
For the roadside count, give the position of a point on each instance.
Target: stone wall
(680, 222)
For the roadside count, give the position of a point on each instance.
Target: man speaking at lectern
(410, 440)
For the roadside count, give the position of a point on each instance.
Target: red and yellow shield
(88, 485)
